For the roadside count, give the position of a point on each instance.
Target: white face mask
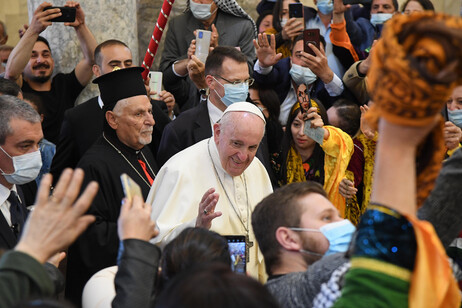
(201, 11)
(302, 75)
(283, 22)
(26, 168)
(380, 18)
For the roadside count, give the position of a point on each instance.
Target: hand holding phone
(130, 187)
(68, 13)
(202, 44)
(296, 11)
(155, 83)
(311, 36)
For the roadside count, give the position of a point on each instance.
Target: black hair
(108, 43)
(43, 40)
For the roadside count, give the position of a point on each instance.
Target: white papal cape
(180, 184)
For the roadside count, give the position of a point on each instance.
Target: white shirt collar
(214, 113)
(5, 193)
(100, 102)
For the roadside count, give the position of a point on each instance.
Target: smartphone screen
(296, 10)
(68, 13)
(310, 36)
(237, 249)
(202, 44)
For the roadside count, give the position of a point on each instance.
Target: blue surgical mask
(325, 6)
(338, 234)
(26, 167)
(302, 75)
(380, 18)
(455, 116)
(201, 11)
(234, 93)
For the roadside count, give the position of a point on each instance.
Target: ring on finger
(206, 212)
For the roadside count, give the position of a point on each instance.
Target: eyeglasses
(249, 81)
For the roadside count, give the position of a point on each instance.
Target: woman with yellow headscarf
(304, 159)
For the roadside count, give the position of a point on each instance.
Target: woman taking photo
(304, 159)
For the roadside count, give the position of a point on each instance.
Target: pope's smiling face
(237, 141)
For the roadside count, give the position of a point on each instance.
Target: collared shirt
(100, 102)
(334, 63)
(214, 113)
(4, 203)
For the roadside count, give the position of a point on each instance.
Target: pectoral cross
(248, 245)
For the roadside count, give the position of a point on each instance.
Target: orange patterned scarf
(415, 66)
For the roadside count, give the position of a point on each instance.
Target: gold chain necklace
(133, 167)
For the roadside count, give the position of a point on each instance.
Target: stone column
(107, 19)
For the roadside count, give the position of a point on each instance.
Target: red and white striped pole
(156, 36)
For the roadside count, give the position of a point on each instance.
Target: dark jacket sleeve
(442, 207)
(137, 274)
(22, 277)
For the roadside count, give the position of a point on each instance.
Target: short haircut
(13, 107)
(349, 116)
(108, 43)
(9, 87)
(218, 55)
(44, 40)
(426, 4)
(395, 4)
(280, 209)
(193, 246)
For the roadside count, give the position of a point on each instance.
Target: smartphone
(237, 251)
(310, 36)
(130, 187)
(68, 13)
(296, 10)
(155, 83)
(363, 2)
(202, 44)
(444, 112)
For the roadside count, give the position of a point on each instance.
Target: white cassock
(180, 184)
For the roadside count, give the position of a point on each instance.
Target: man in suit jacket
(226, 68)
(83, 124)
(230, 26)
(301, 68)
(20, 163)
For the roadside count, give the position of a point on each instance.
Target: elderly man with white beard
(127, 129)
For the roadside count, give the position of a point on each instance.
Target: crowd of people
(334, 167)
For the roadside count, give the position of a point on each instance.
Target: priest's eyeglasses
(249, 81)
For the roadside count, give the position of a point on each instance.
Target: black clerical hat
(120, 84)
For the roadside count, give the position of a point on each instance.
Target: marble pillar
(107, 19)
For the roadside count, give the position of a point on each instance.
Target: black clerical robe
(97, 247)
